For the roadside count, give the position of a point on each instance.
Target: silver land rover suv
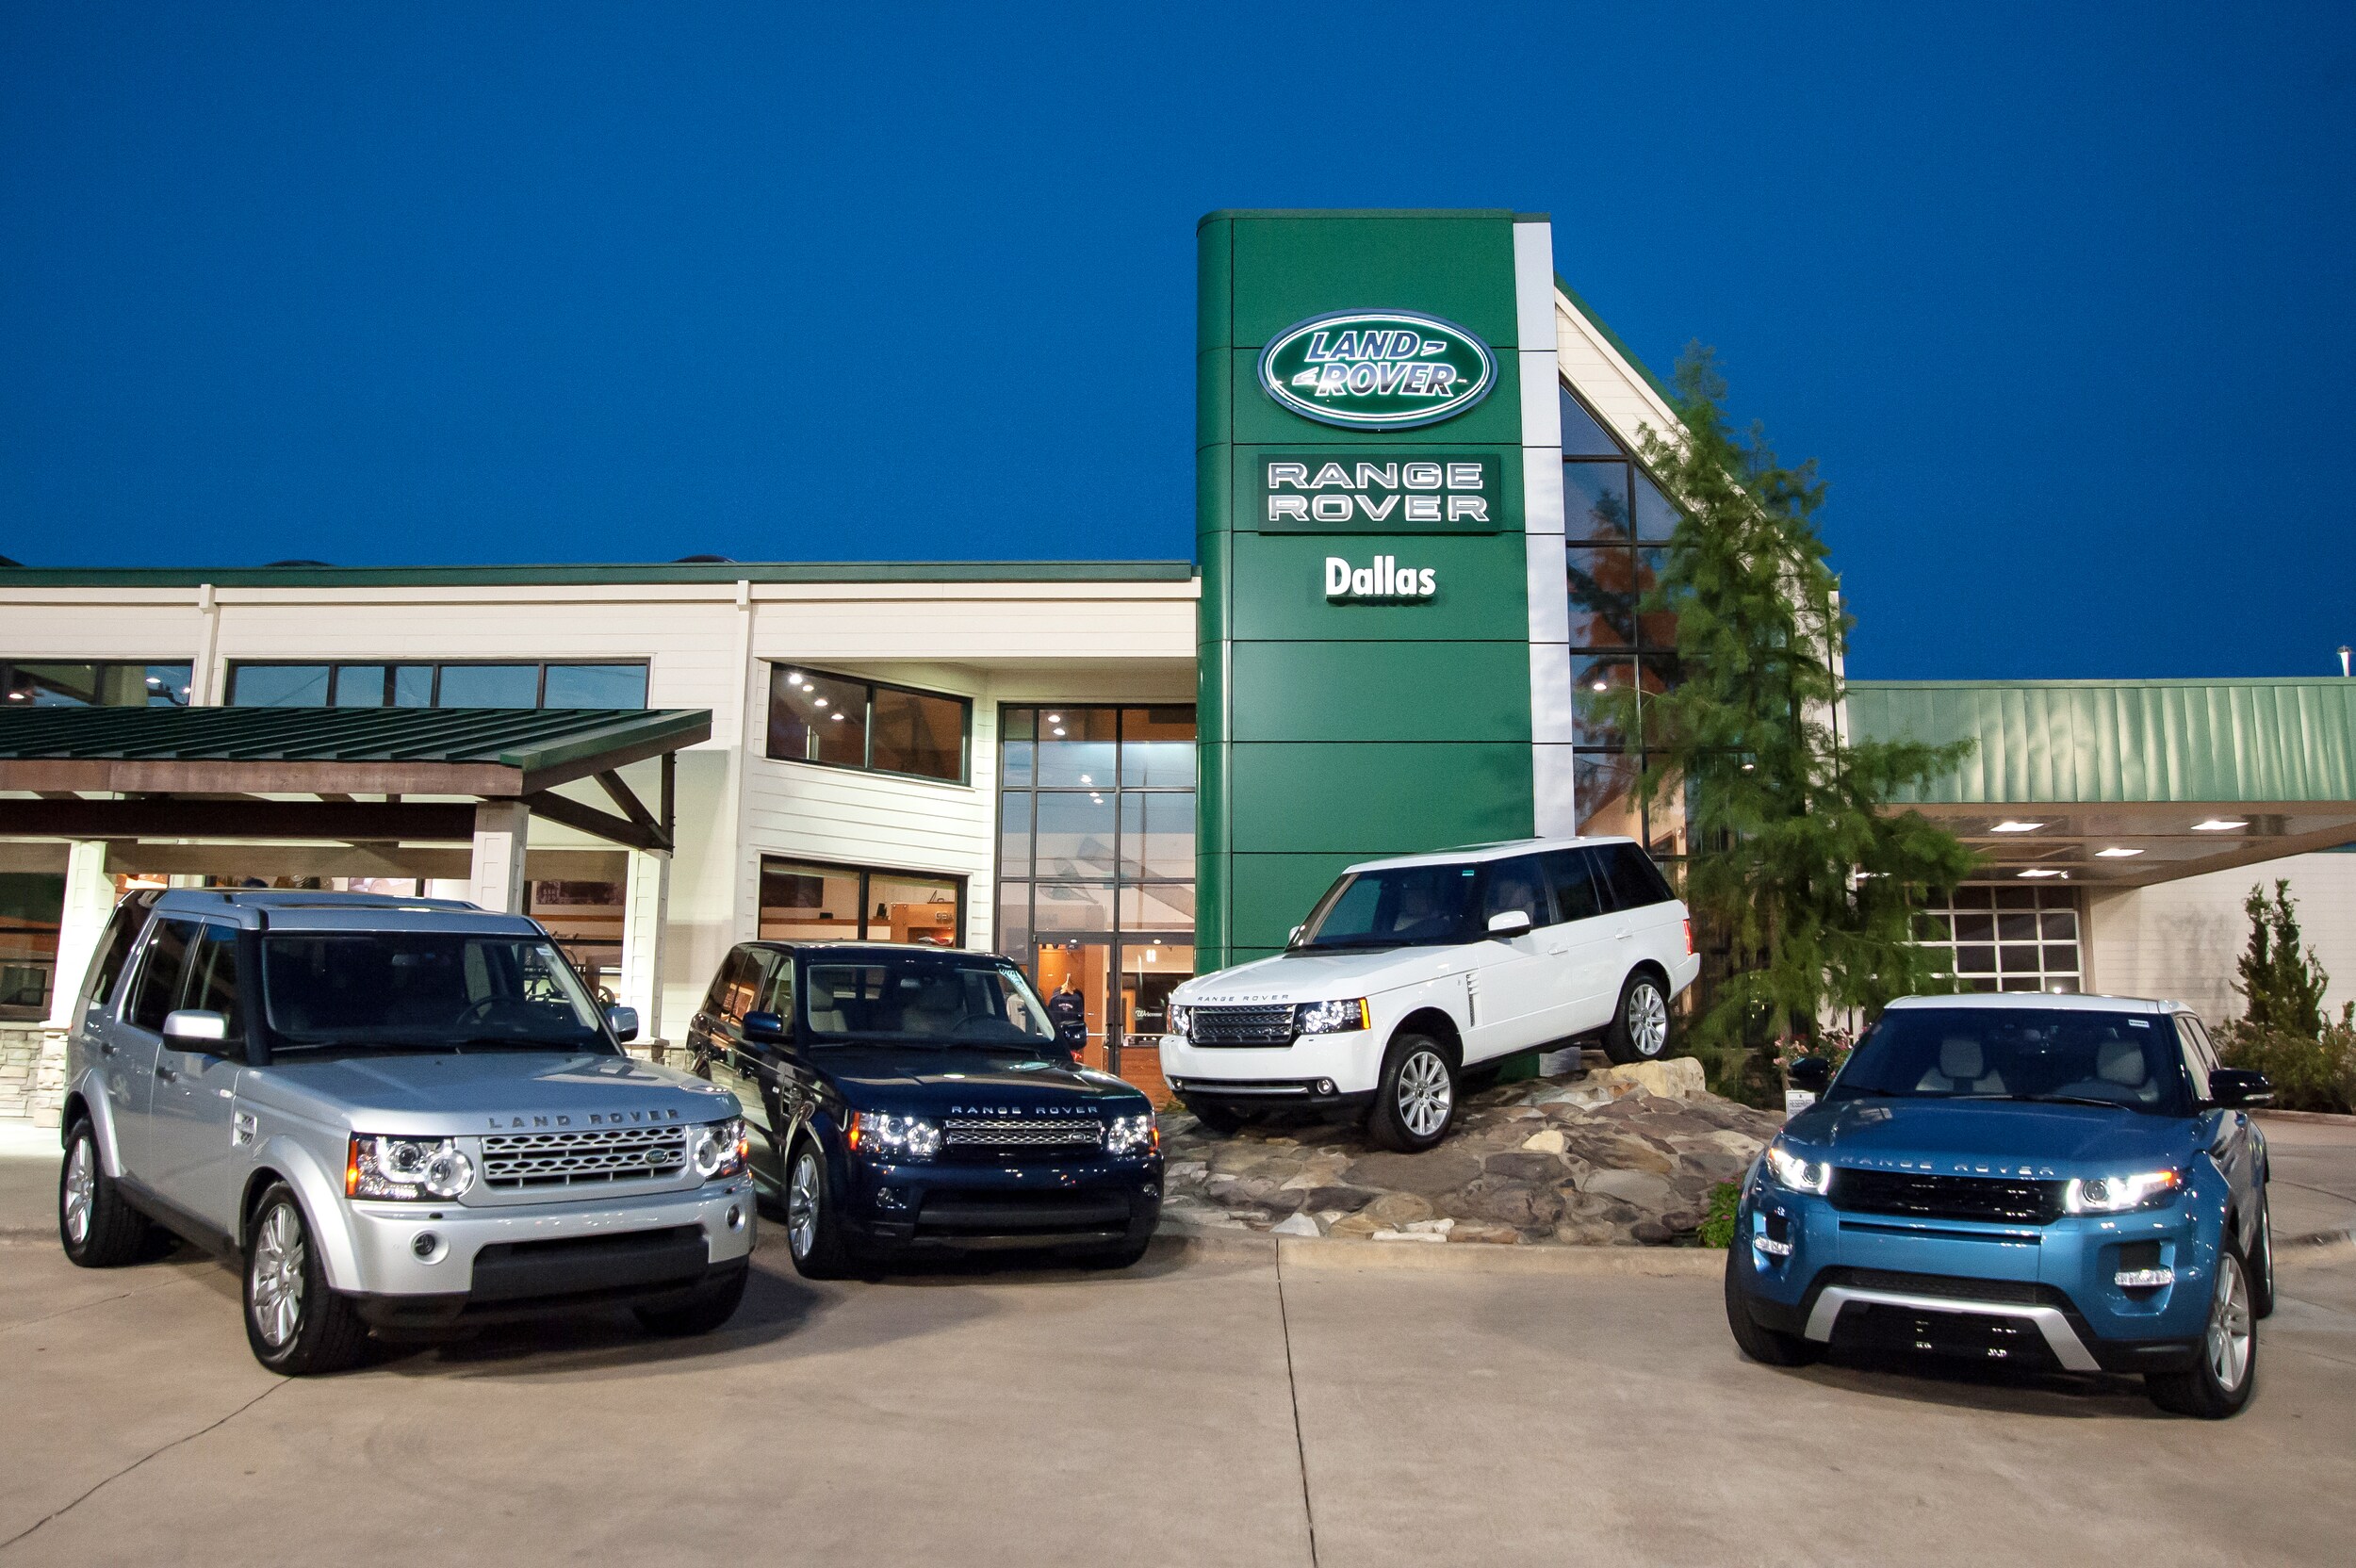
(393, 1113)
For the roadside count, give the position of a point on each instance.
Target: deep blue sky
(2063, 303)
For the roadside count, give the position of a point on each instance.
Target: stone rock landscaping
(1608, 1156)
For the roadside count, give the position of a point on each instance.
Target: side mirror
(769, 1028)
(1509, 922)
(2227, 1086)
(193, 1029)
(1810, 1073)
(623, 1022)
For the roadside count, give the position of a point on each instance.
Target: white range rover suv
(1414, 973)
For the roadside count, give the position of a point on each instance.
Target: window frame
(957, 881)
(98, 668)
(867, 740)
(392, 663)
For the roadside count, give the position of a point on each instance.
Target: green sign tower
(1379, 510)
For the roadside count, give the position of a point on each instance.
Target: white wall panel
(2183, 940)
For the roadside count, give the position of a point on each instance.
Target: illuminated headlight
(407, 1168)
(2145, 1189)
(1800, 1175)
(884, 1136)
(1182, 1020)
(719, 1149)
(1132, 1134)
(1332, 1018)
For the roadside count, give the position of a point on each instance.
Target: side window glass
(776, 995)
(1575, 895)
(744, 974)
(1515, 883)
(2195, 1068)
(2204, 1046)
(716, 999)
(162, 973)
(213, 976)
(1636, 882)
(114, 951)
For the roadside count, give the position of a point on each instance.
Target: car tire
(1415, 1096)
(95, 1225)
(813, 1223)
(702, 1312)
(1639, 1031)
(2262, 1263)
(1768, 1346)
(296, 1325)
(2225, 1368)
(1217, 1119)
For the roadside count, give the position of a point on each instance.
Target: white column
(496, 882)
(645, 916)
(90, 898)
(1554, 791)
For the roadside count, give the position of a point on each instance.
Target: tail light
(1689, 936)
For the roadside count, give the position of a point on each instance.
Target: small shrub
(2309, 1073)
(1718, 1224)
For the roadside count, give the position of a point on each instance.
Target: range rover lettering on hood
(592, 1119)
(1090, 1111)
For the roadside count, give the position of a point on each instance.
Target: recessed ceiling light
(1055, 718)
(2008, 826)
(822, 702)
(2043, 870)
(2114, 853)
(2216, 825)
(836, 717)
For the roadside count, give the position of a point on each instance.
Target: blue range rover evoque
(2050, 1181)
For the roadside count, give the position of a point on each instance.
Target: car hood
(946, 1082)
(1999, 1138)
(1320, 976)
(491, 1091)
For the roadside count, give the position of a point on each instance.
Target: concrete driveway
(1217, 1405)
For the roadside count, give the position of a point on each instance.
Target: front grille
(1918, 1195)
(1259, 1026)
(516, 1161)
(1057, 1135)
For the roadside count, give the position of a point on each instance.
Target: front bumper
(978, 1207)
(2041, 1295)
(478, 1265)
(1351, 1062)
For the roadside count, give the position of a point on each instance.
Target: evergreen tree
(1797, 879)
(2283, 981)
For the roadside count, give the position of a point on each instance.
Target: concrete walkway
(1349, 1405)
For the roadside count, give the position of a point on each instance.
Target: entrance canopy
(2124, 783)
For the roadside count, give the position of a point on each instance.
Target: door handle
(1623, 936)
(105, 1048)
(166, 1073)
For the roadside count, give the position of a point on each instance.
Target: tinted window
(1569, 872)
(213, 977)
(596, 686)
(1403, 906)
(913, 733)
(1518, 884)
(777, 994)
(732, 989)
(2126, 1059)
(122, 932)
(816, 718)
(158, 990)
(2197, 1062)
(278, 686)
(1633, 880)
(490, 686)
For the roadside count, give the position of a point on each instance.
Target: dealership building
(1424, 532)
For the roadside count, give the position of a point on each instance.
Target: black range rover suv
(903, 1099)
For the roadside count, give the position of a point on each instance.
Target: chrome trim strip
(2059, 1336)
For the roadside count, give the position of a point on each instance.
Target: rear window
(1635, 882)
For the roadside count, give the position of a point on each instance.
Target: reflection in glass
(916, 734)
(1076, 747)
(413, 686)
(278, 686)
(1157, 836)
(1603, 589)
(1582, 434)
(1014, 920)
(1073, 907)
(802, 903)
(1606, 784)
(360, 686)
(1017, 728)
(1014, 833)
(1656, 518)
(1158, 906)
(1075, 833)
(812, 718)
(164, 685)
(490, 686)
(1157, 748)
(596, 686)
(1594, 501)
(1591, 679)
(919, 910)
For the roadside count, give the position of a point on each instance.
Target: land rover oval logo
(1384, 370)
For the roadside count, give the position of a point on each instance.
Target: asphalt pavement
(1222, 1403)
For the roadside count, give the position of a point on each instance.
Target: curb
(2318, 1247)
(1323, 1255)
(2322, 1118)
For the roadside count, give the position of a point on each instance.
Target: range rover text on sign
(1362, 492)
(1379, 369)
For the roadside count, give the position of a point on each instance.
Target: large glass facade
(1096, 866)
(114, 684)
(1617, 525)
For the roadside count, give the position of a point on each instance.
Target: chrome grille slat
(1255, 1026)
(1021, 1132)
(594, 1156)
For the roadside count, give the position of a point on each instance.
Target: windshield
(1403, 906)
(2064, 1055)
(432, 990)
(925, 999)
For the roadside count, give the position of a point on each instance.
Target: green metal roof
(534, 740)
(2123, 741)
(671, 572)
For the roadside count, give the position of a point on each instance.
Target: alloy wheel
(2230, 1327)
(278, 1258)
(81, 1190)
(1424, 1096)
(801, 1205)
(1647, 1018)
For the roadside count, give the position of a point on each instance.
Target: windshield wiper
(2055, 1100)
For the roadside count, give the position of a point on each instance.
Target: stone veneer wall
(31, 1085)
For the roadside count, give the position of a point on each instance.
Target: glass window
(157, 991)
(594, 686)
(1075, 833)
(1514, 885)
(58, 685)
(2030, 944)
(1583, 435)
(1403, 906)
(1076, 747)
(2126, 1059)
(1014, 833)
(360, 686)
(413, 686)
(213, 977)
(1157, 748)
(1569, 872)
(1655, 627)
(1604, 592)
(1606, 782)
(166, 685)
(122, 929)
(1589, 679)
(1656, 518)
(803, 903)
(731, 983)
(918, 909)
(278, 686)
(1014, 920)
(913, 733)
(1158, 906)
(490, 686)
(816, 718)
(777, 994)
(1634, 881)
(1595, 503)
(1016, 733)
(1156, 836)
(1073, 907)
